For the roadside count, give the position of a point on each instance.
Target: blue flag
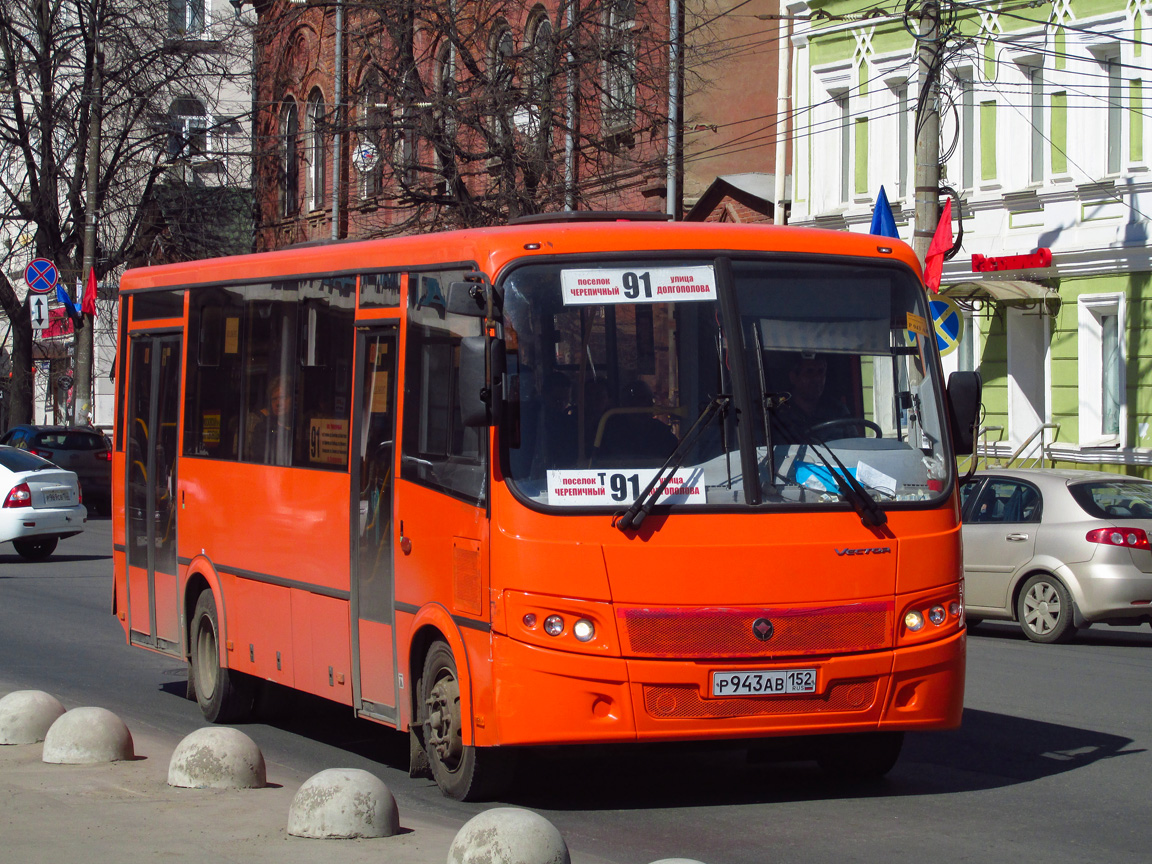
(66, 301)
(883, 223)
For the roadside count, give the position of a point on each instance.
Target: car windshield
(611, 364)
(71, 440)
(21, 460)
(1114, 499)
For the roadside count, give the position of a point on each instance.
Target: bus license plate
(762, 682)
(55, 496)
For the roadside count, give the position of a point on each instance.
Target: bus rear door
(373, 614)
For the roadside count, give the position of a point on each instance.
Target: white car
(39, 503)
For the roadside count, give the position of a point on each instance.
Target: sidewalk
(125, 812)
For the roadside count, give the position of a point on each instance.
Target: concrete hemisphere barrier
(677, 861)
(27, 715)
(508, 835)
(343, 803)
(85, 736)
(217, 757)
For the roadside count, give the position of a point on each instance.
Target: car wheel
(35, 548)
(863, 756)
(224, 695)
(1045, 610)
(466, 773)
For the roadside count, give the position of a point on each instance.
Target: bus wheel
(462, 772)
(224, 696)
(864, 756)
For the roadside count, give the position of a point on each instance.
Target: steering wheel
(853, 422)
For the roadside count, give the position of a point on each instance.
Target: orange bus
(586, 478)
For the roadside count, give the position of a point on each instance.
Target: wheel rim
(442, 724)
(1042, 608)
(206, 659)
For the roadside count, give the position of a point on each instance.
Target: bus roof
(492, 248)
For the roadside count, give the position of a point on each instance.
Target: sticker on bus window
(621, 486)
(650, 285)
(917, 324)
(328, 441)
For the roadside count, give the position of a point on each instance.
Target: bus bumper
(557, 697)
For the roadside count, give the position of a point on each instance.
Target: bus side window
(437, 449)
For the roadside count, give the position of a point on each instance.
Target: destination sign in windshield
(642, 285)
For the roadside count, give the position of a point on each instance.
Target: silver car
(1057, 550)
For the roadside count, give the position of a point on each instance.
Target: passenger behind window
(269, 438)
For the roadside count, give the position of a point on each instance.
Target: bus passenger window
(437, 450)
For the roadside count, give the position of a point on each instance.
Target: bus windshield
(612, 363)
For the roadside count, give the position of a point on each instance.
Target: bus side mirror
(471, 299)
(480, 400)
(964, 389)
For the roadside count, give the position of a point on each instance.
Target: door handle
(1017, 537)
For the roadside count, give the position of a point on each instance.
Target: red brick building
(439, 115)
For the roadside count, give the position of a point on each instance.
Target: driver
(808, 405)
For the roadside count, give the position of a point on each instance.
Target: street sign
(41, 275)
(38, 310)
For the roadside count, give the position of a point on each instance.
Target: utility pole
(927, 180)
(82, 380)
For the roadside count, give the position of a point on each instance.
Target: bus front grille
(728, 632)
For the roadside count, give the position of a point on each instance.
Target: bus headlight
(553, 625)
(584, 630)
(913, 620)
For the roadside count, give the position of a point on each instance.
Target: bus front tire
(224, 696)
(463, 772)
(863, 756)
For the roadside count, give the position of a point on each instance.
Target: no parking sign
(948, 324)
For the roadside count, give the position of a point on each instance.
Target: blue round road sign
(41, 275)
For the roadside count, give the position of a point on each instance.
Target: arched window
(502, 77)
(367, 156)
(620, 66)
(446, 120)
(314, 138)
(289, 158)
(540, 74)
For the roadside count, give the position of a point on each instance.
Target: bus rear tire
(466, 773)
(863, 756)
(224, 696)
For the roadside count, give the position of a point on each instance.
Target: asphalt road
(1051, 764)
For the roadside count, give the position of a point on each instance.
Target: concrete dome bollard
(343, 803)
(85, 736)
(26, 716)
(677, 861)
(508, 835)
(217, 757)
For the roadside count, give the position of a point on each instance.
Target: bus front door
(153, 605)
(373, 615)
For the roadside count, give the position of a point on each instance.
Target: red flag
(941, 243)
(88, 305)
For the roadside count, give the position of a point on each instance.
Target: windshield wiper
(866, 507)
(631, 519)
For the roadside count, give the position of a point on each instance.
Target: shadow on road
(55, 558)
(1118, 637)
(989, 751)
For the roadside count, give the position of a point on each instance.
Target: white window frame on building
(1101, 367)
(619, 103)
(190, 136)
(314, 147)
(188, 17)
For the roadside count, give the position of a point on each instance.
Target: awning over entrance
(999, 289)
